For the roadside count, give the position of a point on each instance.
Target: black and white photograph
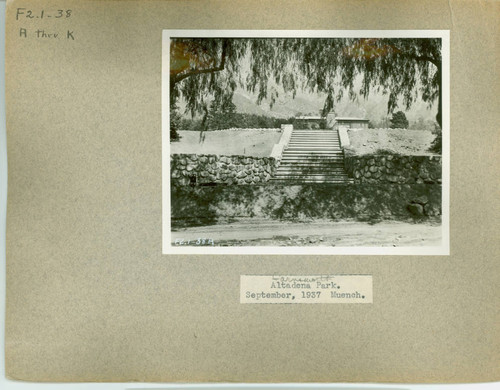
(305, 142)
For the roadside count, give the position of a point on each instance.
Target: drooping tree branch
(211, 68)
(412, 56)
(176, 78)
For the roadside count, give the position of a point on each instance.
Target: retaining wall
(197, 169)
(394, 169)
(286, 134)
(202, 205)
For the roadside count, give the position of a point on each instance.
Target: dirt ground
(318, 233)
(257, 143)
(401, 141)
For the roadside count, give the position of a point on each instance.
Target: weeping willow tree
(204, 70)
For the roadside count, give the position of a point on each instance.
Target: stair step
(319, 139)
(312, 173)
(314, 147)
(295, 136)
(298, 165)
(308, 144)
(338, 183)
(332, 134)
(315, 141)
(309, 158)
(331, 177)
(302, 145)
(312, 163)
(308, 136)
(313, 152)
(324, 177)
(319, 168)
(313, 181)
(310, 177)
(312, 156)
(324, 144)
(316, 144)
(315, 135)
(339, 171)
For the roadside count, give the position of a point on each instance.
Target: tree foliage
(221, 115)
(240, 120)
(175, 121)
(207, 71)
(399, 121)
(437, 144)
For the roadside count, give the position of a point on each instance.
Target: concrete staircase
(312, 156)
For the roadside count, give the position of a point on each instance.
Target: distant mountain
(373, 108)
(285, 106)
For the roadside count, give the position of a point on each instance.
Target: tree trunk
(439, 115)
(174, 135)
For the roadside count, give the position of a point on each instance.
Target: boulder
(416, 209)
(432, 210)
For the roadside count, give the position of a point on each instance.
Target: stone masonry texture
(394, 169)
(186, 169)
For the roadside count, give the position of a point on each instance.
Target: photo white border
(443, 249)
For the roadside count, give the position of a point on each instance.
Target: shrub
(437, 144)
(399, 121)
(175, 122)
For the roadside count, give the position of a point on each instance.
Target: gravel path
(319, 233)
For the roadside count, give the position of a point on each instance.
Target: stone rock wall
(394, 169)
(194, 169)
